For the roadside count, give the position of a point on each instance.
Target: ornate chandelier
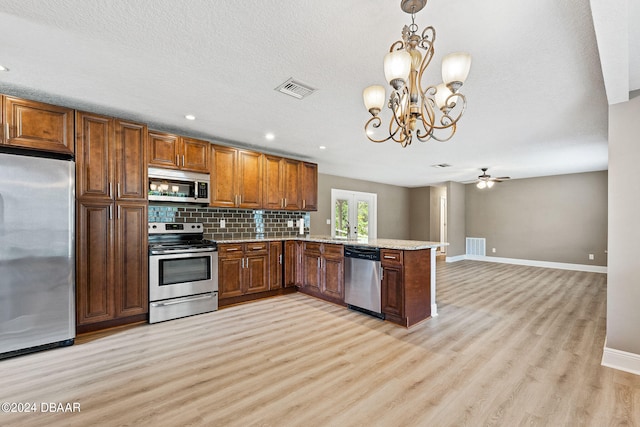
(431, 112)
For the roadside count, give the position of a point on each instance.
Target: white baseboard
(434, 310)
(455, 258)
(621, 360)
(532, 263)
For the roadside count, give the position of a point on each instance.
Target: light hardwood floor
(512, 346)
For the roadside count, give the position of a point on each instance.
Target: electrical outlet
(223, 224)
(493, 250)
(328, 221)
(591, 257)
(290, 223)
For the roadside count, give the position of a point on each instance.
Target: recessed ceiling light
(3, 68)
(269, 136)
(190, 117)
(322, 147)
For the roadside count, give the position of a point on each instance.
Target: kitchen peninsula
(314, 264)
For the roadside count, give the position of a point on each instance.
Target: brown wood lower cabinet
(323, 271)
(112, 264)
(243, 268)
(292, 263)
(276, 260)
(406, 285)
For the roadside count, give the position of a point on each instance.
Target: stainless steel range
(183, 271)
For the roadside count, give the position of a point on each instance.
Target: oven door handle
(182, 251)
(181, 301)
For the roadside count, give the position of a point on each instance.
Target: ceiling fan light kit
(423, 112)
(485, 181)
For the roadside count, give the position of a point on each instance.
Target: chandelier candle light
(417, 111)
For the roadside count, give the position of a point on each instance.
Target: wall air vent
(295, 88)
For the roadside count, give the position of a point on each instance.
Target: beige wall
(556, 218)
(393, 206)
(623, 281)
(456, 229)
(435, 194)
(420, 213)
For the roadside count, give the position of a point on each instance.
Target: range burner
(167, 237)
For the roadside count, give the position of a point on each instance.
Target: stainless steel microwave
(167, 185)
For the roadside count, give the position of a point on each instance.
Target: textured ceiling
(536, 94)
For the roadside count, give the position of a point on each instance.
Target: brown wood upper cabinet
(111, 158)
(178, 152)
(289, 184)
(35, 125)
(236, 178)
(309, 186)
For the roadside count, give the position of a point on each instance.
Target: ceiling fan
(485, 181)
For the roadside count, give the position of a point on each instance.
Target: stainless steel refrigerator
(37, 256)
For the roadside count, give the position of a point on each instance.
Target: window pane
(342, 218)
(363, 219)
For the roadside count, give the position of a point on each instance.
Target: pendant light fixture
(423, 112)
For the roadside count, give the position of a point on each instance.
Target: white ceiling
(536, 94)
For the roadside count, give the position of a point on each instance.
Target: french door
(353, 214)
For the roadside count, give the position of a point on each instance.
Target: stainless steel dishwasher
(362, 279)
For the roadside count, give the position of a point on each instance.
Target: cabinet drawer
(391, 257)
(230, 249)
(333, 251)
(255, 247)
(312, 247)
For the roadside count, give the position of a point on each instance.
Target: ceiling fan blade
(502, 178)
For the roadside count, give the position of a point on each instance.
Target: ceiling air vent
(441, 165)
(295, 88)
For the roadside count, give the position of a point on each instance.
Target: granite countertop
(410, 245)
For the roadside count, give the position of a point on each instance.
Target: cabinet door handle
(232, 249)
(285, 203)
(389, 257)
(7, 136)
(280, 258)
(257, 248)
(304, 203)
(110, 190)
(177, 160)
(118, 211)
(110, 212)
(183, 160)
(242, 262)
(118, 190)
